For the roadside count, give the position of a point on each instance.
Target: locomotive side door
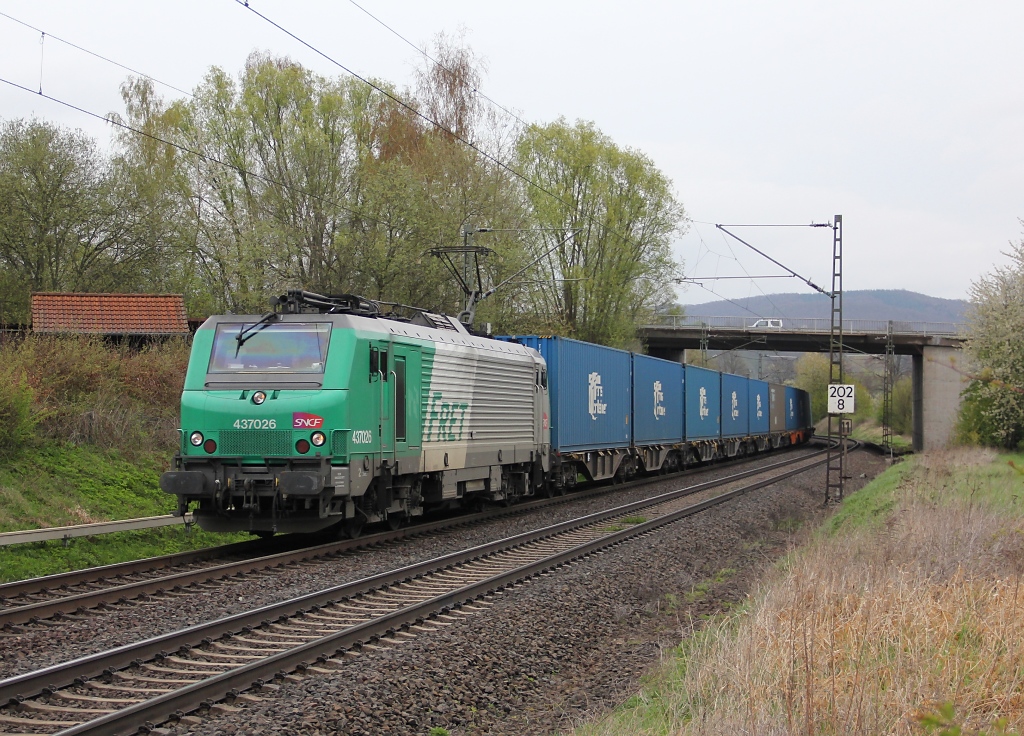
(396, 368)
(380, 377)
(405, 400)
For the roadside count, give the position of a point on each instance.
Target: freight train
(326, 414)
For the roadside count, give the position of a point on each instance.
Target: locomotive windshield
(270, 347)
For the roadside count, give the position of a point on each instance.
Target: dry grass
(867, 630)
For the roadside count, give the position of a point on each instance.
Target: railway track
(56, 596)
(167, 677)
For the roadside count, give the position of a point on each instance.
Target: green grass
(998, 484)
(55, 484)
(871, 504)
(21, 561)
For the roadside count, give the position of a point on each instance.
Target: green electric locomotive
(325, 414)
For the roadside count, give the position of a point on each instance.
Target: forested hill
(884, 304)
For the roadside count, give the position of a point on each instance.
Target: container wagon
(703, 389)
(735, 414)
(591, 403)
(657, 413)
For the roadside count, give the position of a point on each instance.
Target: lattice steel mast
(837, 444)
(888, 383)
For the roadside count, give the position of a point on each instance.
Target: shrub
(86, 391)
(17, 417)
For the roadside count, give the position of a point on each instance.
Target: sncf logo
(302, 420)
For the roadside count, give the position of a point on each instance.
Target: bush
(902, 407)
(17, 417)
(86, 391)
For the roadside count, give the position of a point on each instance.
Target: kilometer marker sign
(840, 398)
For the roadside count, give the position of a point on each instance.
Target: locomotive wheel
(395, 521)
(353, 527)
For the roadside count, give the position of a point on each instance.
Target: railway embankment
(901, 615)
(86, 430)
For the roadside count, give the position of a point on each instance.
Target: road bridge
(935, 348)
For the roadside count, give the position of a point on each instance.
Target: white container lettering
(659, 398)
(596, 393)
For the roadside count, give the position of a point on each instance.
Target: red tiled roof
(110, 314)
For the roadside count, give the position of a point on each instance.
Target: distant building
(119, 316)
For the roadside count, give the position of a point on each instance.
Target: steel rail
(35, 586)
(191, 697)
(51, 678)
(78, 602)
(52, 533)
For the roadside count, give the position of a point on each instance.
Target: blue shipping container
(703, 403)
(735, 408)
(793, 408)
(657, 401)
(589, 386)
(758, 406)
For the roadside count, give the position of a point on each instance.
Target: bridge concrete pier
(938, 382)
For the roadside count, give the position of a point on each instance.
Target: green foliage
(812, 375)
(974, 422)
(438, 731)
(902, 420)
(992, 412)
(17, 418)
(67, 220)
(944, 721)
(329, 185)
(87, 391)
(605, 257)
(281, 178)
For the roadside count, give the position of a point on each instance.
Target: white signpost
(840, 398)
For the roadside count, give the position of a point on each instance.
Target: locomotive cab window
(378, 363)
(270, 347)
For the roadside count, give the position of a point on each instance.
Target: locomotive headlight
(196, 438)
(318, 439)
(258, 398)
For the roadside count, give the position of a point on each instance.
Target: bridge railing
(753, 324)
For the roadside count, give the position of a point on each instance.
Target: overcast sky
(905, 117)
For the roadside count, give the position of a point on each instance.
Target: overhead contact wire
(91, 53)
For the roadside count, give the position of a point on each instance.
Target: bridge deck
(673, 334)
